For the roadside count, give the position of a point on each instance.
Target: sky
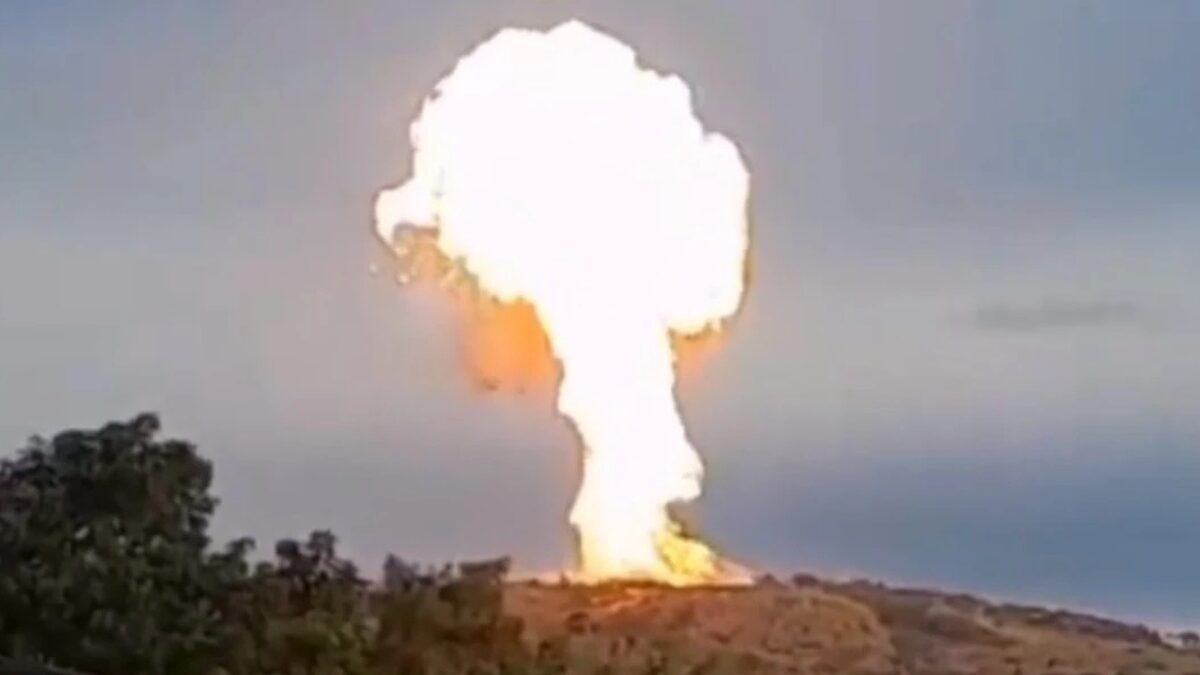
(967, 358)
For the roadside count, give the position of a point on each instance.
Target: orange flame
(581, 211)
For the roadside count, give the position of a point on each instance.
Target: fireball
(563, 177)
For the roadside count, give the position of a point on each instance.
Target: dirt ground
(810, 626)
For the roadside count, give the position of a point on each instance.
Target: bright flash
(559, 173)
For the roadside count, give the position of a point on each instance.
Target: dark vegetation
(107, 567)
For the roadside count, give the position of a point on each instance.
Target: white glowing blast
(559, 172)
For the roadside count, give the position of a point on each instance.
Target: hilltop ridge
(812, 626)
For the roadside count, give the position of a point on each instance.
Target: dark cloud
(1053, 314)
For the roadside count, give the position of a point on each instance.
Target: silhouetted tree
(447, 621)
(106, 568)
(309, 612)
(102, 553)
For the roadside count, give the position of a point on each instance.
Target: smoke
(559, 173)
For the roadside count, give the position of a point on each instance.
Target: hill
(107, 567)
(811, 626)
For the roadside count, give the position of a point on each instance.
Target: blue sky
(967, 359)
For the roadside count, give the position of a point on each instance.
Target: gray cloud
(1052, 314)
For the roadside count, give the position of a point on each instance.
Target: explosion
(559, 174)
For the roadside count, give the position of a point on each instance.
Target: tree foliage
(102, 553)
(447, 621)
(106, 567)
